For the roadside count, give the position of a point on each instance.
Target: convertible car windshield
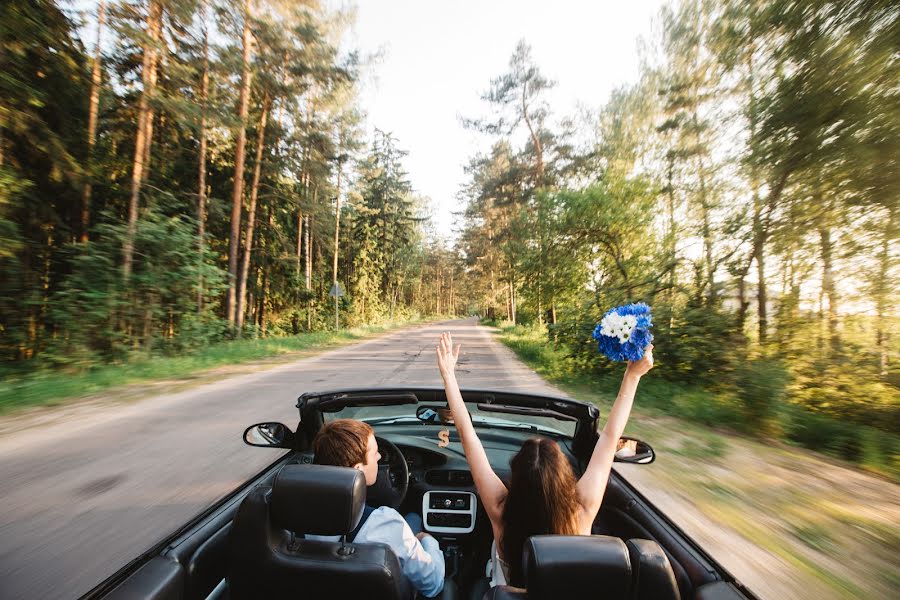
(406, 414)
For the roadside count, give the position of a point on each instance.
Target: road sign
(336, 291)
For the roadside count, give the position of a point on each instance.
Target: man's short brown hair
(342, 443)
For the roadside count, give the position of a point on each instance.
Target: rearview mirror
(269, 435)
(631, 450)
(438, 415)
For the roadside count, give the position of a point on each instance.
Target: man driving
(351, 443)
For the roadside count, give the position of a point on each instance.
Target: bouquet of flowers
(624, 332)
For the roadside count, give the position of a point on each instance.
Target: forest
(746, 187)
(201, 172)
(201, 175)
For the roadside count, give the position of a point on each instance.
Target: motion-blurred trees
(746, 186)
(179, 187)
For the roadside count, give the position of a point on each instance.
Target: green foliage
(760, 388)
(66, 304)
(697, 343)
(843, 439)
(751, 404)
(736, 189)
(162, 294)
(843, 391)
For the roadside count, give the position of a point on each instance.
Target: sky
(437, 58)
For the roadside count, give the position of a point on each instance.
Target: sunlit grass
(47, 387)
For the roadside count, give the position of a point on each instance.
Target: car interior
(252, 544)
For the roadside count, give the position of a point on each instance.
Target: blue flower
(624, 332)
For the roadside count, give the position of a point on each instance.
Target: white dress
(497, 569)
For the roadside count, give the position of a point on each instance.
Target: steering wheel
(393, 476)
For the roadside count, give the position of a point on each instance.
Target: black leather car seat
(573, 567)
(654, 578)
(269, 558)
(595, 567)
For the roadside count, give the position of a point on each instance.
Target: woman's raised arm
(490, 489)
(592, 484)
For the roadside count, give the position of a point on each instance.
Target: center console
(449, 512)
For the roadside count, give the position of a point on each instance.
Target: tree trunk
(672, 233)
(337, 229)
(94, 108)
(509, 302)
(512, 299)
(148, 326)
(743, 303)
(437, 296)
(829, 288)
(308, 275)
(452, 307)
(251, 216)
(707, 240)
(154, 17)
(883, 289)
(759, 232)
(538, 149)
(156, 35)
(759, 242)
(201, 174)
(261, 313)
(234, 240)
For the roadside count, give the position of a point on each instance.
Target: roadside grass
(737, 520)
(50, 388)
(805, 509)
(779, 503)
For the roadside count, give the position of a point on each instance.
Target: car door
(628, 514)
(190, 564)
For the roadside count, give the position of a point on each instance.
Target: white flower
(618, 326)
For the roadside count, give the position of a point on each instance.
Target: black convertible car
(251, 544)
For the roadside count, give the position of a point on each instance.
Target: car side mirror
(634, 451)
(269, 435)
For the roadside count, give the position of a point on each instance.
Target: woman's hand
(447, 355)
(638, 368)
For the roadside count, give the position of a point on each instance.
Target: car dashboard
(441, 487)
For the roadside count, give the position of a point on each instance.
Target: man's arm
(422, 561)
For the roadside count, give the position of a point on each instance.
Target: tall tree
(143, 140)
(251, 213)
(201, 159)
(96, 80)
(237, 197)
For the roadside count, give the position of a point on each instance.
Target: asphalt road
(84, 494)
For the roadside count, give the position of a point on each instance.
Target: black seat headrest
(318, 499)
(576, 566)
(653, 575)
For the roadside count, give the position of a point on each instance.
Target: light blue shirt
(422, 562)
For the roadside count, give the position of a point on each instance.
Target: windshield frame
(314, 405)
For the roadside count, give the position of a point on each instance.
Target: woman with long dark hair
(544, 497)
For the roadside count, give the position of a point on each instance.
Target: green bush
(845, 440)
(846, 391)
(759, 388)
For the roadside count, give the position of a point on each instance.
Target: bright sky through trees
(438, 57)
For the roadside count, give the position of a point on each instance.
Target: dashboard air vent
(442, 477)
